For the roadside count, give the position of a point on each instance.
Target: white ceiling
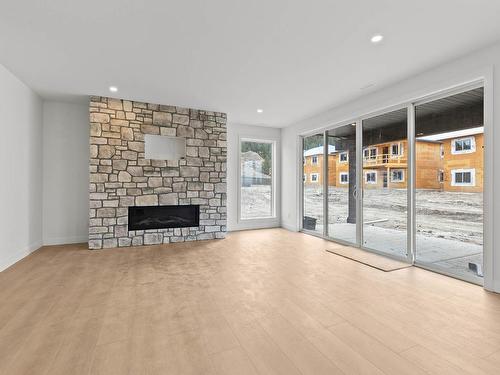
(293, 58)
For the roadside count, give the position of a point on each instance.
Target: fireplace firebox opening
(161, 217)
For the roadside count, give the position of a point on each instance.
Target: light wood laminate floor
(258, 302)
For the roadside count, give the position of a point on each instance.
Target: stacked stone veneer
(120, 176)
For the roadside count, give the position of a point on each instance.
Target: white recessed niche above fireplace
(160, 147)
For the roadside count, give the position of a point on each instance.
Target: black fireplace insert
(159, 217)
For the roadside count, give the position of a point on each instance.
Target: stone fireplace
(122, 180)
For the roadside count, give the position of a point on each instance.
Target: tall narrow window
(257, 187)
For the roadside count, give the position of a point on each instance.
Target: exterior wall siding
(429, 164)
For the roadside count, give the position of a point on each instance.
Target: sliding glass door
(385, 182)
(342, 190)
(449, 183)
(407, 187)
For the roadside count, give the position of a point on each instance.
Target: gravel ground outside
(256, 201)
(446, 215)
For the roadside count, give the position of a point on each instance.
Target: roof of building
(251, 155)
(455, 134)
(319, 150)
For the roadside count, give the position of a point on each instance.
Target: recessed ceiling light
(377, 38)
(113, 88)
(260, 110)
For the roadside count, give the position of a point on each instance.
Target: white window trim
(369, 157)
(312, 160)
(402, 175)
(472, 177)
(347, 157)
(472, 145)
(366, 177)
(317, 177)
(340, 178)
(274, 191)
(400, 150)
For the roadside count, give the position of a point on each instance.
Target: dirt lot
(448, 215)
(256, 201)
(454, 216)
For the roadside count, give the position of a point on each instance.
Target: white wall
(21, 170)
(234, 133)
(65, 172)
(481, 64)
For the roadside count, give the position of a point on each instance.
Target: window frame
(472, 148)
(340, 178)
(346, 157)
(314, 159)
(370, 157)
(472, 172)
(366, 173)
(273, 215)
(315, 174)
(400, 150)
(402, 175)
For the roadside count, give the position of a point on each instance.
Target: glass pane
(385, 183)
(342, 183)
(256, 180)
(313, 183)
(449, 183)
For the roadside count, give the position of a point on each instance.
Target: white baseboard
(19, 254)
(495, 287)
(65, 240)
(290, 227)
(251, 224)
